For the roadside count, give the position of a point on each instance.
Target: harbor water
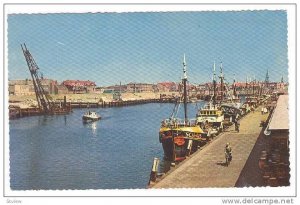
(62, 152)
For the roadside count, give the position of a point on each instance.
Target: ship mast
(214, 83)
(184, 81)
(253, 89)
(222, 80)
(234, 87)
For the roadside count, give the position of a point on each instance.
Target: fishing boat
(230, 103)
(91, 116)
(232, 111)
(210, 117)
(232, 108)
(252, 100)
(180, 137)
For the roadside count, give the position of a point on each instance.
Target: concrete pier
(206, 168)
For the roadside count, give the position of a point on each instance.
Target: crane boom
(44, 102)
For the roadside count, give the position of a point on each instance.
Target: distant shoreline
(25, 101)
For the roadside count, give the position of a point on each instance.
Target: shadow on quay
(252, 175)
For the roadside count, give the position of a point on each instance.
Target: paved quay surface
(206, 168)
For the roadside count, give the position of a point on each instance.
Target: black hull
(175, 152)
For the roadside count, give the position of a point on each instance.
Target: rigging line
(178, 108)
(174, 108)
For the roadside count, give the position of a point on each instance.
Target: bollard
(153, 173)
(65, 101)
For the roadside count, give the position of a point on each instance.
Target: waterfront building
(80, 86)
(140, 87)
(48, 85)
(61, 89)
(277, 168)
(20, 87)
(167, 87)
(26, 87)
(114, 88)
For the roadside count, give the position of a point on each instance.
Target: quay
(105, 104)
(17, 112)
(206, 167)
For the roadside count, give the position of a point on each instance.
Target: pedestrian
(237, 125)
(228, 153)
(228, 149)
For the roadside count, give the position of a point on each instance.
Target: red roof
(167, 84)
(78, 83)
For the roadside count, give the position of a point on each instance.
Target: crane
(46, 106)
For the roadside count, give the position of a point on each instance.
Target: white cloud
(60, 43)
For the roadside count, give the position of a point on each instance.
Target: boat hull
(87, 119)
(178, 148)
(231, 111)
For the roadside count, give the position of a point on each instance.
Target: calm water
(60, 152)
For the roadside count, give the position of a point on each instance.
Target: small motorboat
(91, 116)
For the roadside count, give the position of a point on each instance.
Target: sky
(110, 48)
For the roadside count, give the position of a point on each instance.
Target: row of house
(143, 87)
(25, 87)
(241, 87)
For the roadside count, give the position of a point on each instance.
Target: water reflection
(65, 119)
(43, 120)
(51, 152)
(92, 126)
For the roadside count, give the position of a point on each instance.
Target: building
(277, 170)
(276, 85)
(26, 87)
(48, 85)
(116, 88)
(80, 86)
(278, 128)
(205, 89)
(140, 87)
(167, 87)
(61, 89)
(20, 87)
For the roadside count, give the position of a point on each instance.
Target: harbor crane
(45, 105)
